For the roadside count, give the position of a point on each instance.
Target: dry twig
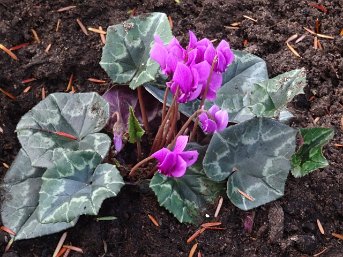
(63, 9)
(83, 28)
(153, 220)
(9, 52)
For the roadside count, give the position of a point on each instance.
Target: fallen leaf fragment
(250, 198)
(195, 235)
(219, 206)
(9, 244)
(70, 83)
(293, 50)
(48, 48)
(60, 244)
(153, 220)
(210, 224)
(9, 52)
(321, 229)
(193, 249)
(66, 253)
(291, 38)
(7, 94)
(319, 7)
(13, 48)
(28, 80)
(35, 36)
(339, 236)
(67, 8)
(321, 252)
(8, 230)
(99, 81)
(73, 248)
(301, 38)
(83, 28)
(97, 30)
(341, 32)
(43, 93)
(249, 18)
(61, 252)
(102, 36)
(66, 135)
(27, 89)
(170, 22)
(58, 24)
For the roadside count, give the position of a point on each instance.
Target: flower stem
(194, 131)
(165, 103)
(184, 127)
(142, 107)
(134, 169)
(160, 132)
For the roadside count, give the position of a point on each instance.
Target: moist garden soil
(287, 227)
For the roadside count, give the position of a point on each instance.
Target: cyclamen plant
(59, 170)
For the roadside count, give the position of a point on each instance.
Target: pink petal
(180, 168)
(211, 127)
(192, 40)
(214, 108)
(222, 119)
(168, 164)
(190, 157)
(160, 155)
(118, 143)
(180, 144)
(203, 69)
(209, 54)
(221, 64)
(183, 77)
(159, 54)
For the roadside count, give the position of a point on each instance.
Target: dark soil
(286, 227)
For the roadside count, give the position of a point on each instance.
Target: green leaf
(255, 157)
(310, 157)
(19, 210)
(76, 185)
(126, 55)
(135, 130)
(238, 81)
(79, 115)
(269, 97)
(188, 196)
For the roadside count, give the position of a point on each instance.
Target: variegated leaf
(269, 97)
(77, 115)
(187, 197)
(76, 185)
(238, 81)
(19, 213)
(255, 157)
(126, 55)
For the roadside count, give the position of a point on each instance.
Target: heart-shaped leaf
(121, 98)
(255, 157)
(186, 197)
(76, 185)
(238, 80)
(269, 97)
(65, 121)
(126, 55)
(19, 209)
(310, 157)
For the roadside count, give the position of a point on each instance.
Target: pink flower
(215, 120)
(174, 163)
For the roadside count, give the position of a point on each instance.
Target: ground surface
(283, 228)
